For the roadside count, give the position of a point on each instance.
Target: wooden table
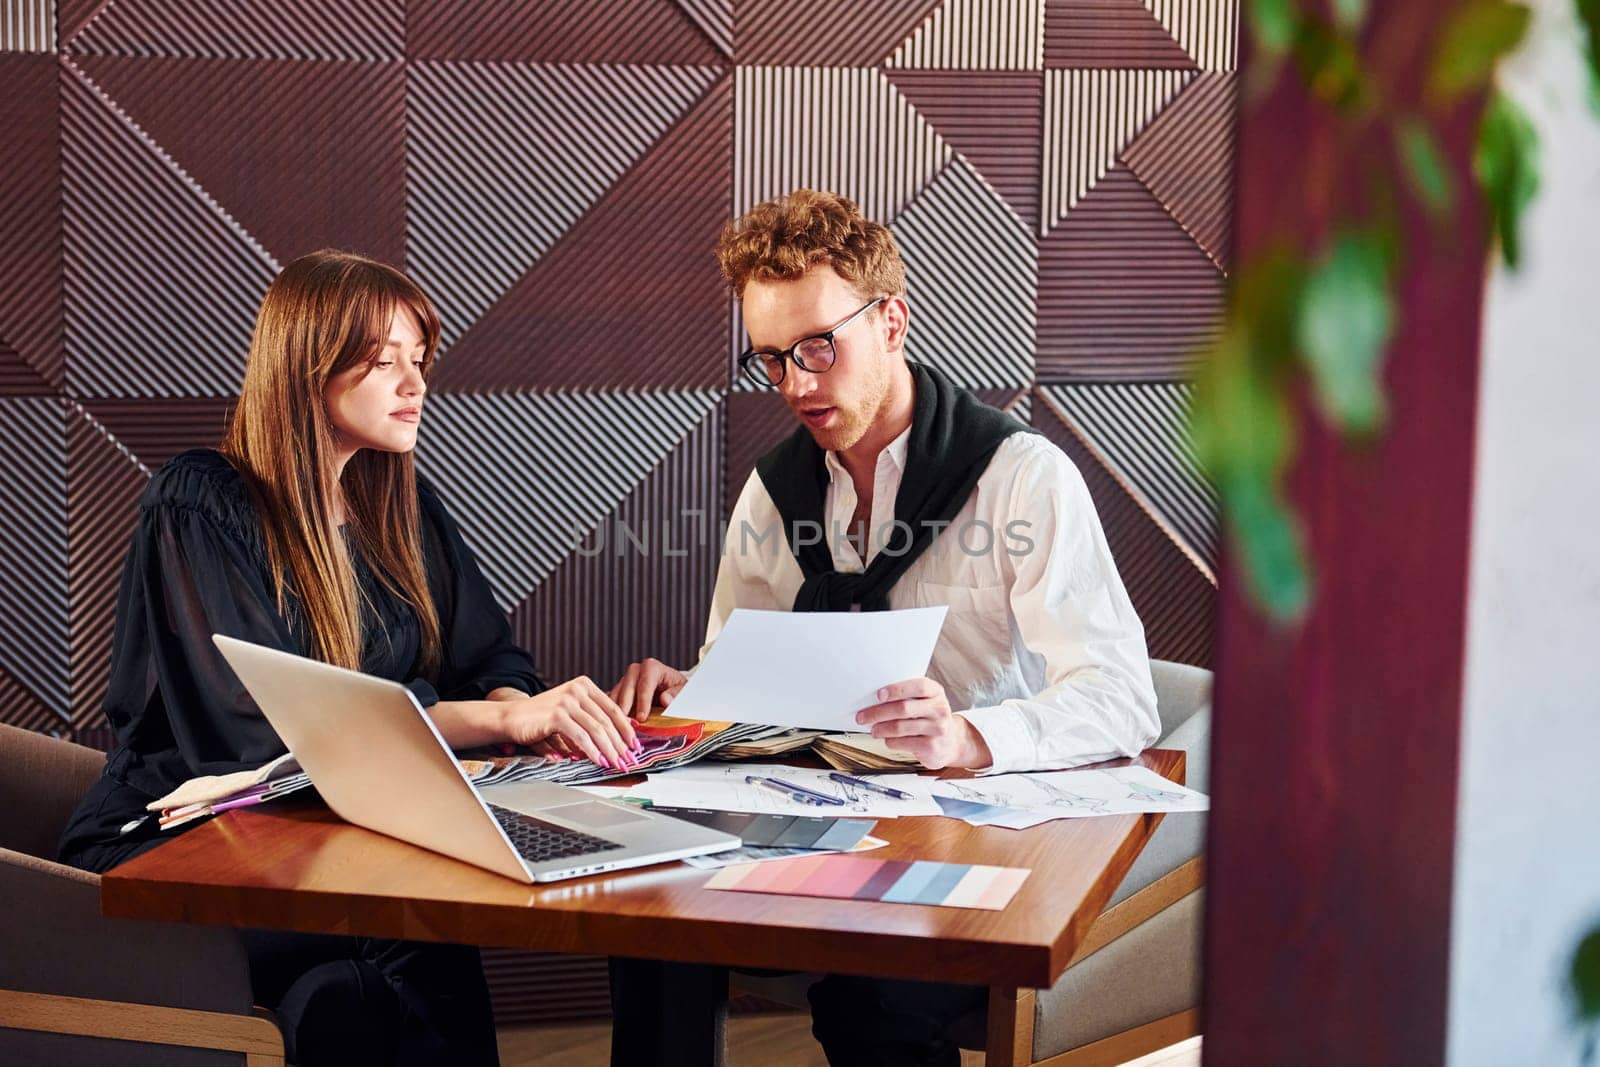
(294, 865)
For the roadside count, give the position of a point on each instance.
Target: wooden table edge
(1013, 965)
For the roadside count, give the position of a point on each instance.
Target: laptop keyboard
(537, 841)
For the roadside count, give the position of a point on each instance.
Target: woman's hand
(577, 714)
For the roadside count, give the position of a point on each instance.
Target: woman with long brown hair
(309, 531)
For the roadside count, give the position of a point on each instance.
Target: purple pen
(237, 802)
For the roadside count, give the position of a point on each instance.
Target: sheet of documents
(848, 656)
(1017, 801)
(722, 787)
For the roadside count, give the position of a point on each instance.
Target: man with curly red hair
(899, 488)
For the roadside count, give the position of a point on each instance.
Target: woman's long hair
(325, 313)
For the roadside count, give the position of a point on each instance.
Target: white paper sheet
(1033, 798)
(722, 787)
(813, 669)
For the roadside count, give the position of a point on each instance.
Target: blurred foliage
(1323, 318)
(1585, 984)
(1589, 22)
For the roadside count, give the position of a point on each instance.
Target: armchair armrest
(1182, 837)
(54, 940)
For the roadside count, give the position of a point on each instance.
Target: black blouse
(197, 565)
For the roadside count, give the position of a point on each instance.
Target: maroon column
(1334, 756)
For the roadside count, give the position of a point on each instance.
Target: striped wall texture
(1057, 172)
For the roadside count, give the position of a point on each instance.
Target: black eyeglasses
(813, 354)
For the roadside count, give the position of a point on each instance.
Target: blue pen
(790, 791)
(821, 798)
(886, 790)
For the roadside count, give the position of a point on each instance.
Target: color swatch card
(847, 877)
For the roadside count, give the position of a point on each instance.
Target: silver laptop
(379, 762)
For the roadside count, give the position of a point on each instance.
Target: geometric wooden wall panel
(715, 19)
(245, 29)
(156, 269)
(18, 377)
(103, 486)
(610, 305)
(1109, 34)
(234, 126)
(642, 578)
(28, 27)
(1089, 118)
(525, 480)
(1137, 431)
(828, 128)
(30, 225)
(21, 707)
(34, 554)
(647, 32)
(823, 33)
(1185, 157)
(153, 431)
(1124, 292)
(1208, 30)
(971, 276)
(504, 158)
(1173, 596)
(993, 118)
(756, 422)
(977, 35)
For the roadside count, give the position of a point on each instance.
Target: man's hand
(647, 687)
(915, 717)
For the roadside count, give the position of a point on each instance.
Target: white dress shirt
(1041, 650)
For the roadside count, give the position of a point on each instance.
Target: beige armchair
(77, 988)
(1134, 985)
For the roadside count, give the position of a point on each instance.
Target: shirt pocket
(974, 651)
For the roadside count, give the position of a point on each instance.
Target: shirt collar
(893, 453)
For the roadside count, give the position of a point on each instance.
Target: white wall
(1527, 880)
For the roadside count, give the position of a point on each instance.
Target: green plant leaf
(1268, 540)
(1585, 978)
(1242, 430)
(1506, 165)
(1273, 24)
(1331, 66)
(1589, 19)
(1345, 319)
(1425, 168)
(1471, 43)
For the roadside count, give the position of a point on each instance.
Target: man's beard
(852, 422)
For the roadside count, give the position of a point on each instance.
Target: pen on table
(792, 792)
(886, 790)
(821, 798)
(238, 802)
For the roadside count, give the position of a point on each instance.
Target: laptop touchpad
(593, 813)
